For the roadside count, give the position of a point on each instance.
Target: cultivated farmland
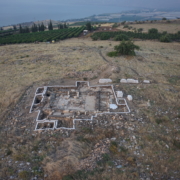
(42, 36)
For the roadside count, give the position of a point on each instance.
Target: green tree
(126, 48)
(153, 31)
(42, 27)
(26, 30)
(50, 26)
(105, 36)
(39, 27)
(20, 29)
(88, 26)
(121, 37)
(14, 27)
(140, 30)
(165, 38)
(123, 22)
(34, 28)
(65, 25)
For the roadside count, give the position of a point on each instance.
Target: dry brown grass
(24, 64)
(106, 24)
(169, 27)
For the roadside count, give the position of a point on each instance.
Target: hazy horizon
(19, 11)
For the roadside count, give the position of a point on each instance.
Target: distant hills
(133, 15)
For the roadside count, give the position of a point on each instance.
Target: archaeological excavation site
(63, 107)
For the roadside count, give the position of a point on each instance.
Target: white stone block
(129, 97)
(119, 94)
(105, 81)
(123, 81)
(146, 81)
(132, 81)
(113, 106)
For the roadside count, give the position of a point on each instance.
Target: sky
(18, 11)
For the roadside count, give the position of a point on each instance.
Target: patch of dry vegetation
(169, 27)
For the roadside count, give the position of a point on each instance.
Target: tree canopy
(50, 26)
(153, 31)
(88, 26)
(126, 48)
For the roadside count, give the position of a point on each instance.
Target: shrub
(24, 175)
(165, 38)
(105, 159)
(162, 119)
(19, 157)
(9, 152)
(121, 37)
(112, 54)
(164, 32)
(126, 48)
(94, 38)
(113, 148)
(140, 30)
(176, 143)
(153, 31)
(115, 25)
(125, 26)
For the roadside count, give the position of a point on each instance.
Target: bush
(112, 54)
(126, 48)
(176, 143)
(121, 37)
(153, 31)
(113, 148)
(140, 30)
(24, 175)
(125, 26)
(94, 38)
(165, 38)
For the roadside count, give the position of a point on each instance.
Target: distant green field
(43, 36)
(108, 35)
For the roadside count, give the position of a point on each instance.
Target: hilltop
(142, 144)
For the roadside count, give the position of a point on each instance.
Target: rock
(113, 139)
(129, 97)
(146, 81)
(105, 81)
(119, 166)
(119, 94)
(115, 69)
(132, 81)
(123, 81)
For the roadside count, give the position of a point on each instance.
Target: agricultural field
(133, 35)
(42, 36)
(144, 144)
(169, 27)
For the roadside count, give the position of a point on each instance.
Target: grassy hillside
(144, 144)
